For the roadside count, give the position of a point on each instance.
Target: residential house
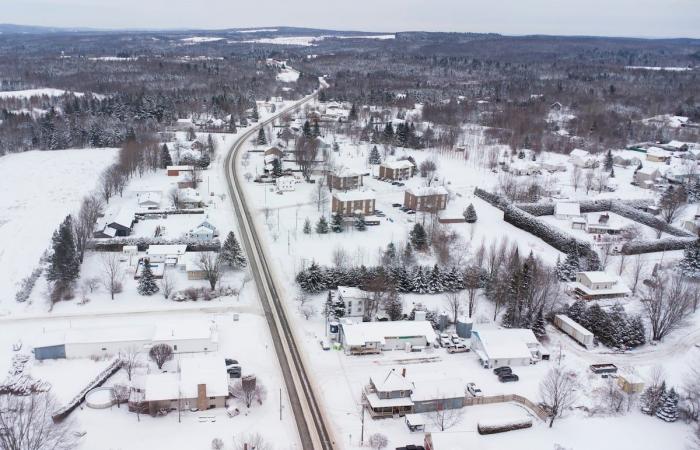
(119, 224)
(567, 210)
(602, 225)
(646, 176)
(598, 285)
(521, 168)
(397, 170)
(149, 199)
(344, 179)
(388, 396)
(274, 151)
(354, 299)
(675, 146)
(193, 266)
(352, 203)
(174, 171)
(507, 347)
(691, 225)
(168, 254)
(373, 337)
(205, 231)
(656, 154)
(189, 198)
(553, 166)
(285, 183)
(578, 223)
(583, 159)
(429, 199)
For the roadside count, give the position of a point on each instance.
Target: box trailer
(574, 329)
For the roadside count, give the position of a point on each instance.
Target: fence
(536, 409)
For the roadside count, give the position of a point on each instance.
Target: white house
(506, 347)
(354, 299)
(149, 199)
(646, 176)
(205, 231)
(567, 210)
(285, 184)
(598, 285)
(189, 198)
(373, 337)
(524, 168)
(656, 154)
(582, 158)
(168, 254)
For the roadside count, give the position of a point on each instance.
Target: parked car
(403, 208)
(325, 344)
(230, 361)
(457, 348)
(455, 338)
(401, 184)
(232, 368)
(508, 378)
(410, 211)
(396, 205)
(445, 342)
(473, 389)
(505, 370)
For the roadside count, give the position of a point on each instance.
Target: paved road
(314, 433)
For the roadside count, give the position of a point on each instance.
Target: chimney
(403, 372)
(202, 403)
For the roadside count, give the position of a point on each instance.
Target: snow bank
(501, 426)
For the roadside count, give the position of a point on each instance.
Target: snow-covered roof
(506, 344)
(648, 170)
(574, 325)
(599, 276)
(658, 152)
(189, 195)
(108, 334)
(427, 390)
(344, 172)
(200, 230)
(124, 217)
(361, 333)
(149, 197)
(183, 332)
(171, 249)
(567, 209)
(161, 386)
(424, 191)
(579, 153)
(676, 144)
(203, 369)
(357, 194)
(352, 292)
(400, 164)
(179, 168)
(391, 382)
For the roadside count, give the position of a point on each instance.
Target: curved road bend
(314, 434)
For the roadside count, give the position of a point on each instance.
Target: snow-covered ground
(201, 39)
(41, 188)
(27, 93)
(309, 41)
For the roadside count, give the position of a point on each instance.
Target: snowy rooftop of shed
(506, 344)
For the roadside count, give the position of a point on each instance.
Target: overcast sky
(643, 18)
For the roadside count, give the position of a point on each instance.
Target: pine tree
(334, 307)
(322, 226)
(538, 326)
(307, 130)
(312, 279)
(360, 224)
(352, 115)
(165, 159)
(435, 285)
(231, 252)
(389, 253)
(521, 154)
(147, 283)
(608, 165)
(64, 263)
(374, 157)
(419, 282)
(409, 259)
(690, 264)
(470, 214)
(418, 237)
(307, 226)
(255, 114)
(612, 173)
(402, 135)
(388, 135)
(262, 139)
(232, 125)
(393, 306)
(405, 282)
(337, 223)
(316, 132)
(276, 168)
(668, 409)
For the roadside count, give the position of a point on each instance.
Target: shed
(630, 384)
(415, 422)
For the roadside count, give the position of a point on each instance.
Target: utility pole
(362, 430)
(280, 404)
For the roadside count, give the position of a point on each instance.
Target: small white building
(149, 199)
(168, 254)
(597, 285)
(520, 168)
(567, 210)
(354, 299)
(205, 231)
(373, 337)
(582, 158)
(189, 198)
(506, 347)
(285, 184)
(656, 154)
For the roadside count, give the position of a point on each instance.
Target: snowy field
(28, 93)
(41, 188)
(201, 39)
(309, 41)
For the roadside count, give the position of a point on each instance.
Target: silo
(464, 327)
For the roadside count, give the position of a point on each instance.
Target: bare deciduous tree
(131, 359)
(120, 394)
(249, 392)
(443, 416)
(251, 442)
(636, 272)
(84, 225)
(454, 303)
(167, 285)
(320, 193)
(472, 282)
(558, 391)
(667, 303)
(112, 273)
(26, 424)
(378, 441)
(210, 264)
(160, 354)
(576, 177)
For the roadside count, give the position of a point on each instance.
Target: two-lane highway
(314, 433)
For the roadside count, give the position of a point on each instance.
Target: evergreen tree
(231, 252)
(521, 154)
(312, 279)
(374, 157)
(334, 307)
(336, 147)
(435, 285)
(608, 165)
(393, 305)
(418, 237)
(337, 223)
(538, 326)
(262, 139)
(306, 129)
(405, 281)
(316, 132)
(689, 266)
(612, 173)
(668, 410)
(470, 214)
(147, 283)
(402, 135)
(388, 135)
(419, 281)
(64, 263)
(232, 125)
(352, 115)
(409, 259)
(165, 159)
(322, 226)
(255, 115)
(360, 224)
(276, 168)
(389, 254)
(307, 226)
(693, 190)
